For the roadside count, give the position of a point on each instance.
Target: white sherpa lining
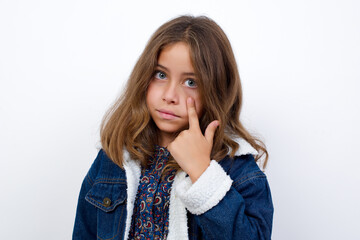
(207, 191)
(133, 171)
(178, 229)
(244, 148)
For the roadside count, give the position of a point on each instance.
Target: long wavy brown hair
(128, 124)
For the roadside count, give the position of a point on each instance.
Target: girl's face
(173, 82)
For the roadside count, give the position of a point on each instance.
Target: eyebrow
(185, 73)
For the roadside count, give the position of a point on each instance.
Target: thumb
(210, 131)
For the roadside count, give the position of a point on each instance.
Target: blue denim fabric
(245, 212)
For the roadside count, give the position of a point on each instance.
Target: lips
(165, 114)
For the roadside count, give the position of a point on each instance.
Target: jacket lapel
(132, 171)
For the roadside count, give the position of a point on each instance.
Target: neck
(166, 138)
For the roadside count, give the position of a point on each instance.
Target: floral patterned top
(150, 218)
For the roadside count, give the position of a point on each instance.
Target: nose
(170, 94)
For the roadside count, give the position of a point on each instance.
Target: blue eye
(160, 75)
(190, 83)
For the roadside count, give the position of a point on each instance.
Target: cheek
(199, 108)
(150, 94)
(147, 98)
(198, 103)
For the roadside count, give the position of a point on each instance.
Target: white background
(62, 63)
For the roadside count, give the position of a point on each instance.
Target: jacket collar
(244, 148)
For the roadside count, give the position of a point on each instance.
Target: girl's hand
(191, 149)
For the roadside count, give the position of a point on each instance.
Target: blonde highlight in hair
(128, 124)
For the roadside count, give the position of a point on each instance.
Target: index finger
(193, 117)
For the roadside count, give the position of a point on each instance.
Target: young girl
(176, 163)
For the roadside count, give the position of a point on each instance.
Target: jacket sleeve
(85, 226)
(238, 208)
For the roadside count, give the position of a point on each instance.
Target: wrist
(198, 170)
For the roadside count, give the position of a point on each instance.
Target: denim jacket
(230, 200)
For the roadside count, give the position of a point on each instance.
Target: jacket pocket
(110, 201)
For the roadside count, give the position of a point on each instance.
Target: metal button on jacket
(107, 202)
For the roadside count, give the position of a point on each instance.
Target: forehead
(176, 57)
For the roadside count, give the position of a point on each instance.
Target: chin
(170, 128)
